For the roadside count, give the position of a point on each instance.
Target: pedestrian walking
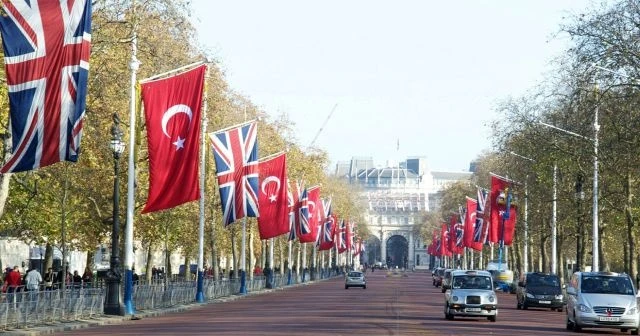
(32, 280)
(49, 277)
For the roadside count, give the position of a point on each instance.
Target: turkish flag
(272, 197)
(172, 111)
(501, 228)
(444, 236)
(470, 223)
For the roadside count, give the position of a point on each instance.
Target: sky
(406, 78)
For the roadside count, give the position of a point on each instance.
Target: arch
(397, 251)
(372, 250)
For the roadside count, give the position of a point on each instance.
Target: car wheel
(559, 309)
(634, 332)
(346, 287)
(447, 315)
(492, 318)
(364, 287)
(576, 326)
(524, 305)
(569, 324)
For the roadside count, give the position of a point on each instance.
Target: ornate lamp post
(113, 301)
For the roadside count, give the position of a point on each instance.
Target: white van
(602, 300)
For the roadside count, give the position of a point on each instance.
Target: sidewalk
(61, 327)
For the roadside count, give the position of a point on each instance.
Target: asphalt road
(391, 305)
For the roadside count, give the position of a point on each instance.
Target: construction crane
(323, 125)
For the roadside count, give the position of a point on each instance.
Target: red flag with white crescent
(172, 111)
(272, 197)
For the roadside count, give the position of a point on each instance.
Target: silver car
(470, 294)
(602, 300)
(355, 279)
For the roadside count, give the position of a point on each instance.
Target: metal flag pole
(289, 263)
(134, 65)
(243, 257)
(314, 255)
(203, 155)
(526, 225)
(270, 275)
(554, 227)
(304, 261)
(243, 262)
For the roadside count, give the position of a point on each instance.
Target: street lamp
(596, 126)
(113, 301)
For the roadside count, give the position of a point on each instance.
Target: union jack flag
(46, 55)
(328, 229)
(303, 213)
(292, 199)
(479, 232)
(342, 237)
(236, 155)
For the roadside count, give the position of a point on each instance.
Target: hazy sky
(426, 73)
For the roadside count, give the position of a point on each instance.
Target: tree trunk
(187, 268)
(282, 258)
(518, 255)
(545, 266)
(5, 178)
(48, 257)
(90, 256)
(148, 270)
(233, 253)
(631, 232)
(604, 263)
(214, 255)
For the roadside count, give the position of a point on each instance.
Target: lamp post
(526, 212)
(580, 237)
(595, 264)
(113, 301)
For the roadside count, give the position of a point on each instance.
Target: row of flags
(473, 226)
(46, 48)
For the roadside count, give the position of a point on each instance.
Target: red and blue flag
(236, 155)
(46, 55)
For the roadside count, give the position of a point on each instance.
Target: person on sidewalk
(33, 280)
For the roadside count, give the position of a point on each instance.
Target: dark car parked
(540, 290)
(438, 273)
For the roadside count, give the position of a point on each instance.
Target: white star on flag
(179, 143)
(272, 198)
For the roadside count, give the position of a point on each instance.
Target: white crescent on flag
(270, 179)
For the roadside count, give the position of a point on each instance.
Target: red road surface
(391, 305)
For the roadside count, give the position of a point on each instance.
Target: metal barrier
(23, 309)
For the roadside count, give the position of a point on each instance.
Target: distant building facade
(396, 195)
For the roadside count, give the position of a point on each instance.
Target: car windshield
(472, 282)
(355, 274)
(606, 285)
(543, 280)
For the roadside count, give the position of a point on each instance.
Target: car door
(572, 289)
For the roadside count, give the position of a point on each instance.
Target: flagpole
(304, 261)
(203, 156)
(314, 255)
(160, 75)
(289, 263)
(243, 262)
(270, 275)
(134, 65)
(235, 126)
